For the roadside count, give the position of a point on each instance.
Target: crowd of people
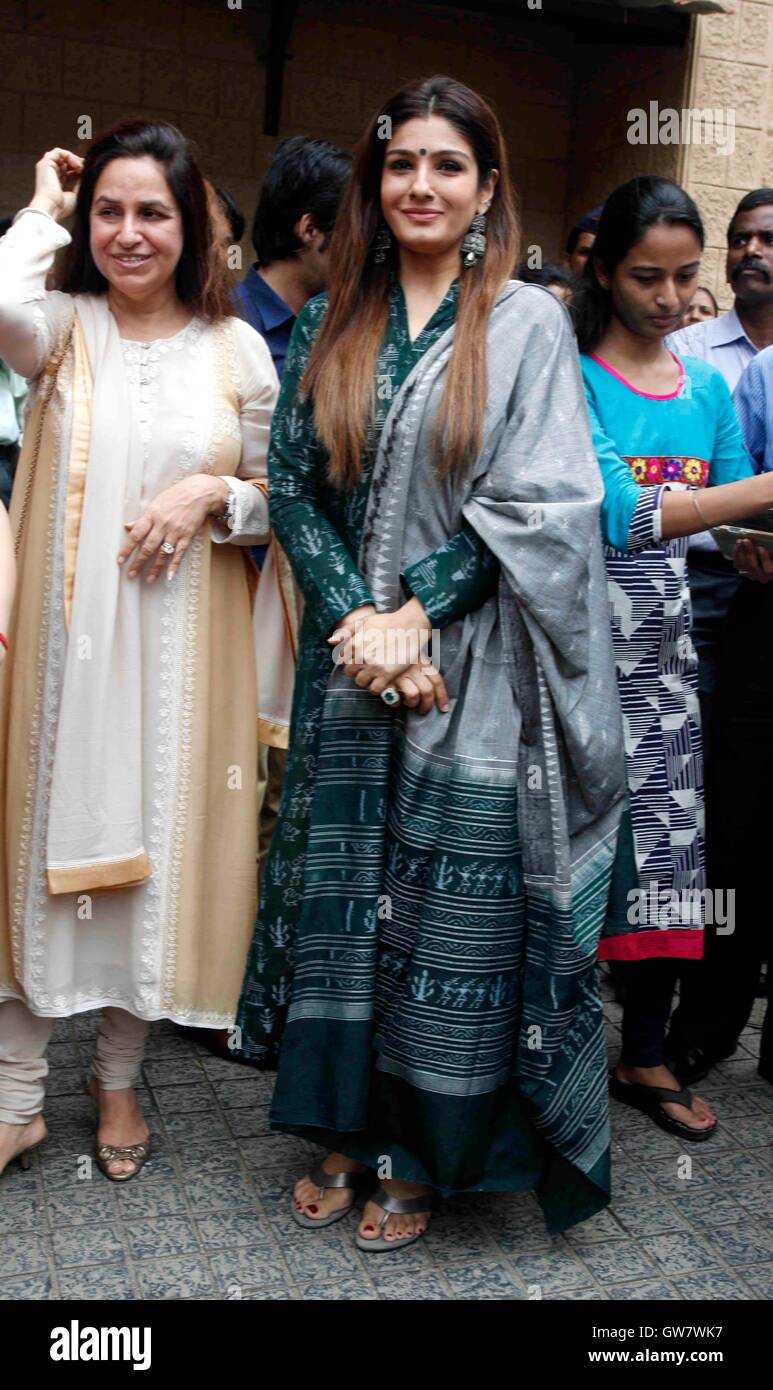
(387, 582)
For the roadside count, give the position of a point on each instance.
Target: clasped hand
(388, 649)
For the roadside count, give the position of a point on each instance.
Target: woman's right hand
(57, 178)
(424, 686)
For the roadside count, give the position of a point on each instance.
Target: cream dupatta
(95, 830)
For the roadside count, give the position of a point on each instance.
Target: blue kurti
(644, 444)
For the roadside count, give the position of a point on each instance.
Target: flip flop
(397, 1205)
(324, 1180)
(650, 1100)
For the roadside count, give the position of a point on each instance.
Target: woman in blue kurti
(424, 960)
(664, 430)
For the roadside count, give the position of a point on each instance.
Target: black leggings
(649, 993)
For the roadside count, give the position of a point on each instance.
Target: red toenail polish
(314, 1209)
(367, 1228)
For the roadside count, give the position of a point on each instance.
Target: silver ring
(168, 548)
(390, 696)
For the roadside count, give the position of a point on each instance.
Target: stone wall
(732, 67)
(194, 62)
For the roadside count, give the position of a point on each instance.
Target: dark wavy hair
(628, 214)
(304, 175)
(201, 278)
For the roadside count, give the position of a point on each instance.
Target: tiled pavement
(208, 1218)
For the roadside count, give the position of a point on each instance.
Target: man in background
(579, 242)
(717, 993)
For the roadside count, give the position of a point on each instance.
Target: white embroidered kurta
(129, 948)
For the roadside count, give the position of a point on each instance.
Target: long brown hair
(340, 371)
(201, 275)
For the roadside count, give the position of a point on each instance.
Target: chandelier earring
(383, 244)
(474, 244)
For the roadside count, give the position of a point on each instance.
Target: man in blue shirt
(732, 620)
(294, 218)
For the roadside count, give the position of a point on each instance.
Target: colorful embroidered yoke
(436, 884)
(646, 444)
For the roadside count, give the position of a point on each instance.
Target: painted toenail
(367, 1228)
(314, 1209)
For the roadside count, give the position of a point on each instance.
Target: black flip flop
(650, 1100)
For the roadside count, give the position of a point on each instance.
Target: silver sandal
(325, 1180)
(404, 1206)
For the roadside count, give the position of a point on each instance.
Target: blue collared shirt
(273, 319)
(267, 313)
(753, 399)
(724, 343)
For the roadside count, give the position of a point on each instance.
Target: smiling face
(136, 227)
(430, 188)
(750, 256)
(653, 285)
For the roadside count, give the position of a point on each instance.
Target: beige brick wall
(731, 67)
(194, 62)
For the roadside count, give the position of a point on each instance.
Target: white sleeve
(31, 317)
(248, 509)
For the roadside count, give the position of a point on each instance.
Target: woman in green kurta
(434, 1025)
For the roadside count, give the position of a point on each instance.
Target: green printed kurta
(396, 1018)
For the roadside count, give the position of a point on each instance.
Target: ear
(487, 194)
(601, 275)
(304, 229)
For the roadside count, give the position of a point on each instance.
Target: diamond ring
(390, 696)
(168, 548)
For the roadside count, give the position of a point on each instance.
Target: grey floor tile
(710, 1284)
(64, 1081)
(753, 1131)
(347, 1290)
(730, 1168)
(184, 1099)
(162, 1236)
(86, 1245)
(599, 1228)
(90, 1203)
(251, 1269)
(755, 1197)
(318, 1258)
(249, 1123)
(705, 1212)
(109, 1282)
(203, 1128)
(616, 1261)
(172, 1279)
(760, 1280)
(745, 1244)
(484, 1279)
(395, 1285)
(651, 1289)
(22, 1213)
(23, 1252)
(650, 1217)
(451, 1238)
(242, 1091)
(235, 1228)
(549, 1273)
(680, 1252)
(160, 1072)
(27, 1288)
(630, 1181)
(276, 1150)
(145, 1199)
(218, 1192)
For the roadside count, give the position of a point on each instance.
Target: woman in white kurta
(128, 738)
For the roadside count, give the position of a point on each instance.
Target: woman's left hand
(382, 645)
(173, 518)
